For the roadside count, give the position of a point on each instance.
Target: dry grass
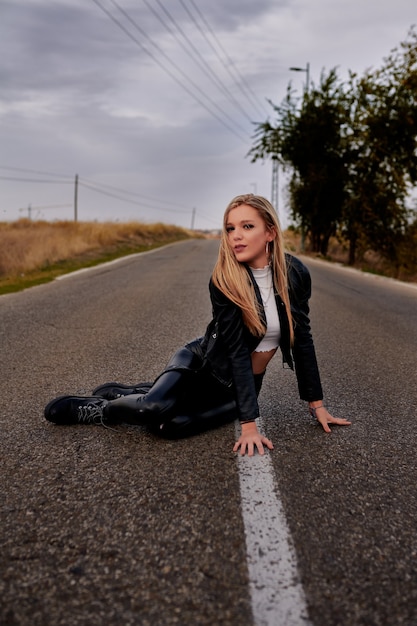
(368, 261)
(37, 252)
(26, 246)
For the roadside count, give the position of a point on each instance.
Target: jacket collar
(257, 293)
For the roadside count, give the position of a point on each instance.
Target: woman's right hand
(250, 439)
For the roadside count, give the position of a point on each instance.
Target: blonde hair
(231, 277)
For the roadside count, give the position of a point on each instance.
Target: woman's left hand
(251, 440)
(323, 416)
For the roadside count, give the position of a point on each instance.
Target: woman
(260, 298)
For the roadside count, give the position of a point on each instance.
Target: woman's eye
(248, 226)
(229, 229)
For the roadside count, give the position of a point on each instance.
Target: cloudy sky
(153, 102)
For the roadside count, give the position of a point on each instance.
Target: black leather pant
(184, 400)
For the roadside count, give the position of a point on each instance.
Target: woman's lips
(239, 248)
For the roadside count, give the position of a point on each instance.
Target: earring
(267, 248)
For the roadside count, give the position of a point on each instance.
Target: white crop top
(265, 283)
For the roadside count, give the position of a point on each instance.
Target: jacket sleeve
(305, 361)
(232, 342)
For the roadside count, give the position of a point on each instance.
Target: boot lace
(90, 413)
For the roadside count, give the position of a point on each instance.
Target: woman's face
(247, 236)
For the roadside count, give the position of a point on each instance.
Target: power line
(178, 69)
(95, 187)
(169, 72)
(93, 183)
(48, 206)
(36, 180)
(99, 188)
(117, 197)
(133, 193)
(210, 219)
(238, 78)
(195, 54)
(20, 169)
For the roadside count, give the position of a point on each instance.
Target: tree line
(350, 148)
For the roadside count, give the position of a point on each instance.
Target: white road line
(277, 595)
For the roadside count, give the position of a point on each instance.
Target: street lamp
(305, 69)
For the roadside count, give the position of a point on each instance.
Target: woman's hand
(319, 411)
(250, 438)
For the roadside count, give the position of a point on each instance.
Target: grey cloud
(59, 46)
(77, 95)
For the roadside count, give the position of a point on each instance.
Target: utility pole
(76, 199)
(275, 173)
(193, 218)
(305, 69)
(275, 183)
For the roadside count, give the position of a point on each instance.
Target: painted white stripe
(276, 594)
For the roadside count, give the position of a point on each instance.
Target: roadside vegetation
(368, 261)
(35, 252)
(350, 149)
(32, 253)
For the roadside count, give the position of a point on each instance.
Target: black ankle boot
(151, 407)
(111, 391)
(163, 392)
(67, 410)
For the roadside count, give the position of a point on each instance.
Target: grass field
(36, 252)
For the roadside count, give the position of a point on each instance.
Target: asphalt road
(120, 528)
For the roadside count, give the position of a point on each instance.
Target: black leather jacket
(227, 344)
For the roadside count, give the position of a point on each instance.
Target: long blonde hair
(231, 277)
